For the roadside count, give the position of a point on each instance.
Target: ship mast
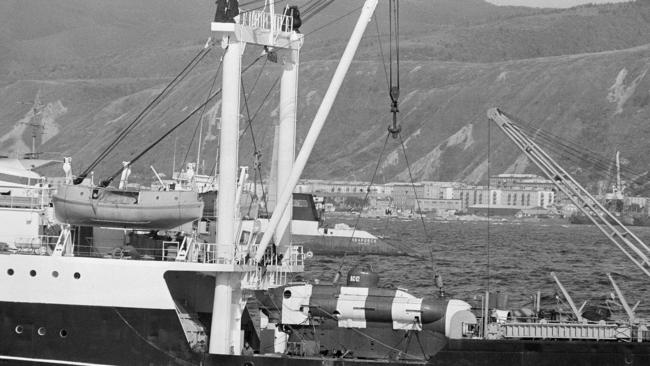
(317, 125)
(235, 31)
(619, 189)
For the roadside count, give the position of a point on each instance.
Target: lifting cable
(199, 126)
(315, 9)
(165, 92)
(322, 4)
(365, 199)
(393, 16)
(394, 129)
(213, 171)
(376, 340)
(107, 181)
(574, 151)
(394, 92)
(257, 155)
(571, 149)
(249, 124)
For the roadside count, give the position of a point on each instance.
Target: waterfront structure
(520, 181)
(440, 190)
(404, 195)
(511, 192)
(506, 200)
(325, 186)
(440, 206)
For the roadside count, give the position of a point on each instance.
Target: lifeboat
(132, 209)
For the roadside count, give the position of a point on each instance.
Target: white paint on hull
(101, 282)
(49, 361)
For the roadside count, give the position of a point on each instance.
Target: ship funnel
(362, 276)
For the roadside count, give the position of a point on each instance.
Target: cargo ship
(237, 301)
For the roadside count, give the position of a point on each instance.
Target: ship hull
(67, 334)
(91, 335)
(484, 353)
(473, 353)
(340, 245)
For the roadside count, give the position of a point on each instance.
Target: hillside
(578, 72)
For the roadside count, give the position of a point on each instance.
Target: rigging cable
(365, 199)
(381, 51)
(163, 94)
(487, 246)
(249, 124)
(106, 182)
(371, 338)
(415, 193)
(383, 63)
(391, 131)
(150, 343)
(353, 11)
(214, 169)
(395, 129)
(575, 150)
(393, 16)
(199, 125)
(320, 7)
(197, 58)
(258, 156)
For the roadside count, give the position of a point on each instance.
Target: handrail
(264, 20)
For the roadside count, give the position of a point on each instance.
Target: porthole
(19, 329)
(175, 198)
(287, 294)
(157, 197)
(77, 275)
(10, 271)
(63, 333)
(41, 331)
(32, 273)
(55, 274)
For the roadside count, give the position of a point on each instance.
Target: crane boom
(633, 247)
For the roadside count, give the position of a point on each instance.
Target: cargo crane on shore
(610, 225)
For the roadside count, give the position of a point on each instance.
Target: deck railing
(26, 197)
(34, 245)
(277, 266)
(263, 20)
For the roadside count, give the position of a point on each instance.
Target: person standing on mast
(227, 10)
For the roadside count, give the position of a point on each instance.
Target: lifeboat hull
(133, 209)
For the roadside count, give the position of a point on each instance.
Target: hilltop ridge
(579, 72)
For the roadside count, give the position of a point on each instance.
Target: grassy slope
(103, 62)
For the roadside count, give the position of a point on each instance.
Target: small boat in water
(307, 230)
(127, 208)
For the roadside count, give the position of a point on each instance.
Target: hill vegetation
(577, 72)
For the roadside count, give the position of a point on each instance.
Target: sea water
(511, 257)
